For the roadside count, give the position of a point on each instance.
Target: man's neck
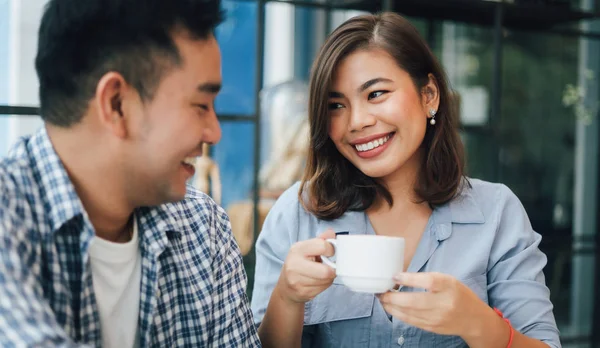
(96, 181)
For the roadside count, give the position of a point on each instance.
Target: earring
(432, 113)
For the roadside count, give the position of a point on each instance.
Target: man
(101, 242)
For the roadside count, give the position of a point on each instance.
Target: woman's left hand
(447, 307)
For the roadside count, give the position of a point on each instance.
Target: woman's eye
(334, 106)
(376, 94)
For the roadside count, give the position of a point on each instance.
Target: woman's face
(378, 118)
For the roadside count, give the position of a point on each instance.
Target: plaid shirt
(193, 281)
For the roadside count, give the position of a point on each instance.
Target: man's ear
(110, 92)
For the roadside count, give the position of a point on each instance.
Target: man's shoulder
(203, 225)
(17, 179)
(16, 166)
(195, 202)
(197, 212)
(17, 190)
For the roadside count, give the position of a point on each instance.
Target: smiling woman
(418, 88)
(385, 159)
(354, 126)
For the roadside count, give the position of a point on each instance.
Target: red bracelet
(512, 331)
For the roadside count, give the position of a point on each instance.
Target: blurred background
(526, 73)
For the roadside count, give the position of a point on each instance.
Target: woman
(386, 159)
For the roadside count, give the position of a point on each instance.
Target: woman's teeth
(372, 144)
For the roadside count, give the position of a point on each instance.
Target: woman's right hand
(303, 275)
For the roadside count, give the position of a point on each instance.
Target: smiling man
(101, 241)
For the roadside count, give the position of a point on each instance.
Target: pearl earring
(432, 113)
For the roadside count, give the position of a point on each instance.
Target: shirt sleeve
(272, 247)
(26, 319)
(233, 325)
(516, 284)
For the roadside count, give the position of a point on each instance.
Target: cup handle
(327, 260)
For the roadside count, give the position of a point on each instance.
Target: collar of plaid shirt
(63, 206)
(164, 228)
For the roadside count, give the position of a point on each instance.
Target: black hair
(81, 40)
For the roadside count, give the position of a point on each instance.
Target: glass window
(237, 40)
(532, 145)
(19, 22)
(234, 156)
(4, 69)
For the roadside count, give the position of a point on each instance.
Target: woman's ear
(431, 95)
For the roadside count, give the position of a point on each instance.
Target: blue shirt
(483, 238)
(193, 288)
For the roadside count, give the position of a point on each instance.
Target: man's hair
(81, 40)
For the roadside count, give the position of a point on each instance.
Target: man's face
(172, 127)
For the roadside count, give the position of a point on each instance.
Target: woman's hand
(303, 276)
(447, 307)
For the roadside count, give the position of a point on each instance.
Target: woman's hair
(331, 185)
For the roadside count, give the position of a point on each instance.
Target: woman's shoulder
(288, 203)
(484, 189)
(287, 222)
(290, 195)
(290, 213)
(480, 201)
(488, 193)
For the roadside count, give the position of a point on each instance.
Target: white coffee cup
(367, 263)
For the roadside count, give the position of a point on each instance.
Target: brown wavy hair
(331, 185)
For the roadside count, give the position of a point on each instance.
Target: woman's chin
(376, 172)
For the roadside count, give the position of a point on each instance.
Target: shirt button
(400, 340)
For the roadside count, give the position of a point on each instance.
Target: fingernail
(398, 277)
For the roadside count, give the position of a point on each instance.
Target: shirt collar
(162, 223)
(157, 226)
(463, 209)
(61, 202)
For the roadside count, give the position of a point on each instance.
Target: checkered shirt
(193, 288)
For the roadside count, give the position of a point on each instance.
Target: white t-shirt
(116, 273)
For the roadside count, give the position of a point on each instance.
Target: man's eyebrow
(209, 87)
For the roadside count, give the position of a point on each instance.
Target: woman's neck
(407, 215)
(401, 183)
